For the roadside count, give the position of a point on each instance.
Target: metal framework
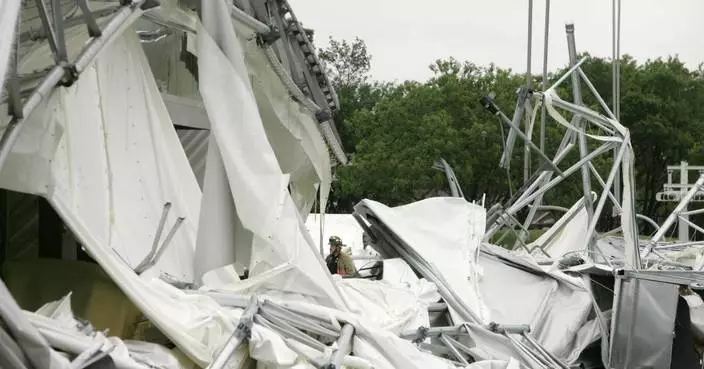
(285, 43)
(601, 129)
(65, 71)
(389, 245)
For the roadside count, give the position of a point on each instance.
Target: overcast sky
(405, 36)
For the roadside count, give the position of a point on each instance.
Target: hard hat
(335, 241)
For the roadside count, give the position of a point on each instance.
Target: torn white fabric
(259, 188)
(267, 346)
(392, 308)
(56, 321)
(222, 240)
(292, 131)
(570, 236)
(105, 154)
(555, 310)
(628, 225)
(446, 232)
(34, 346)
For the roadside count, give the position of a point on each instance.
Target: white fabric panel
(302, 152)
(56, 320)
(391, 307)
(105, 154)
(569, 239)
(105, 150)
(9, 12)
(628, 225)
(554, 310)
(259, 187)
(446, 232)
(217, 230)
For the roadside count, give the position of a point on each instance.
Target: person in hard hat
(339, 262)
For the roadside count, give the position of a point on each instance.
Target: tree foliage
(396, 131)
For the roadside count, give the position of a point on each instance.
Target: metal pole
(596, 94)
(545, 73)
(529, 84)
(453, 349)
(242, 333)
(157, 237)
(344, 346)
(567, 74)
(530, 143)
(616, 88)
(583, 150)
(675, 213)
(61, 54)
(555, 181)
(602, 199)
(683, 227)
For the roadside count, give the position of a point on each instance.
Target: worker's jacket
(340, 264)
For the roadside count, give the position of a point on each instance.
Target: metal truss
(584, 126)
(447, 342)
(312, 336)
(389, 245)
(65, 72)
(679, 213)
(293, 60)
(286, 43)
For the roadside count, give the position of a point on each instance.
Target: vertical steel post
(543, 113)
(683, 227)
(529, 84)
(583, 150)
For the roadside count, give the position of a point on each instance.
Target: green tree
(396, 132)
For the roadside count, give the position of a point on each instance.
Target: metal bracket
(70, 75)
(421, 335)
(158, 250)
(511, 329)
(267, 38)
(93, 28)
(242, 334)
(323, 115)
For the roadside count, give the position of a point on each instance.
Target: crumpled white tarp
(446, 232)
(105, 154)
(9, 12)
(259, 187)
(293, 133)
(555, 310)
(569, 239)
(630, 229)
(34, 348)
(56, 321)
(391, 307)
